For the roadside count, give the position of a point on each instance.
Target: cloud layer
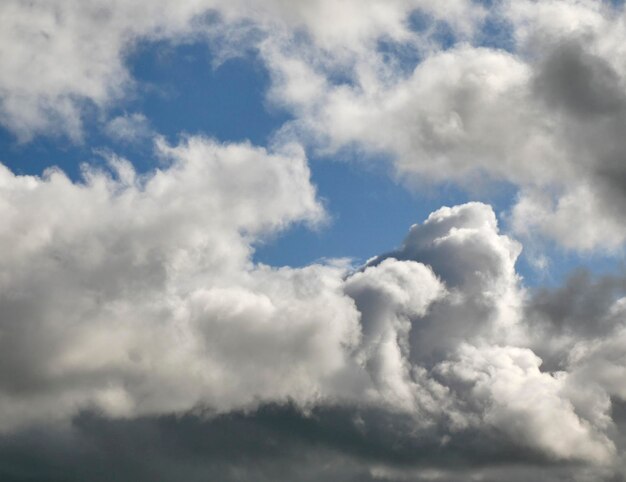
(135, 325)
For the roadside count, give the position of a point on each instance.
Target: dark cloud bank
(275, 442)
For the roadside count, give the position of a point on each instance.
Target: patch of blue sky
(35, 156)
(181, 92)
(561, 263)
(496, 33)
(438, 32)
(402, 56)
(369, 214)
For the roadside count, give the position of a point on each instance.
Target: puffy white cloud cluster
(119, 291)
(135, 295)
(545, 116)
(60, 57)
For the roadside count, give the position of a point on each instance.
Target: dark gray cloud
(588, 94)
(582, 83)
(581, 306)
(272, 443)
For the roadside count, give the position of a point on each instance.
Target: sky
(319, 239)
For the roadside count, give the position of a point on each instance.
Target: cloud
(61, 58)
(128, 128)
(134, 296)
(464, 248)
(388, 296)
(107, 280)
(544, 116)
(132, 314)
(272, 442)
(58, 56)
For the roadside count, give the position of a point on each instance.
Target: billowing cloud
(135, 296)
(104, 281)
(544, 115)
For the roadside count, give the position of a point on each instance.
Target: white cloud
(477, 264)
(388, 296)
(467, 114)
(59, 56)
(128, 128)
(135, 295)
(103, 283)
(545, 117)
(56, 56)
(508, 386)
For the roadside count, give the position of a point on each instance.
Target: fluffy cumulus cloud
(123, 274)
(137, 331)
(127, 298)
(426, 84)
(543, 115)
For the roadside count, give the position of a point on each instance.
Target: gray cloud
(583, 305)
(345, 444)
(464, 248)
(584, 84)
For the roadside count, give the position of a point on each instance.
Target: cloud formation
(543, 115)
(134, 296)
(418, 81)
(422, 83)
(61, 58)
(133, 318)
